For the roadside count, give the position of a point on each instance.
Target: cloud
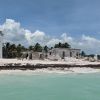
(14, 33)
(37, 36)
(66, 38)
(89, 44)
(63, 38)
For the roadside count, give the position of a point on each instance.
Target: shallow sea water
(50, 87)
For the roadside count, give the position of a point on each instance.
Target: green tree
(12, 50)
(13, 47)
(38, 47)
(7, 48)
(46, 49)
(19, 50)
(59, 45)
(83, 54)
(56, 46)
(62, 45)
(4, 51)
(31, 48)
(66, 45)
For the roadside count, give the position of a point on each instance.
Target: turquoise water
(50, 87)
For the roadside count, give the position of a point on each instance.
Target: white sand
(71, 61)
(49, 70)
(56, 71)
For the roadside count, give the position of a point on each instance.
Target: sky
(51, 21)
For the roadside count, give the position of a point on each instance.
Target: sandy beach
(70, 61)
(51, 71)
(60, 70)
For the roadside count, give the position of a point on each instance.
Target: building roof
(67, 48)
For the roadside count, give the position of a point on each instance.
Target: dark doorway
(77, 54)
(41, 56)
(49, 53)
(70, 54)
(63, 54)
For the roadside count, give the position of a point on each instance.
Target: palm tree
(66, 45)
(13, 51)
(31, 48)
(62, 45)
(46, 49)
(19, 50)
(38, 47)
(83, 54)
(7, 47)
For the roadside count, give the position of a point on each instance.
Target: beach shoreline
(47, 66)
(51, 71)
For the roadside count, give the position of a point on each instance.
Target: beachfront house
(64, 52)
(37, 55)
(31, 55)
(52, 54)
(1, 43)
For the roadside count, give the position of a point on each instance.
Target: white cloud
(63, 38)
(13, 32)
(53, 41)
(89, 44)
(66, 38)
(37, 36)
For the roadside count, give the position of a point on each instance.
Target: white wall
(1, 42)
(60, 51)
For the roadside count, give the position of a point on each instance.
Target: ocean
(45, 86)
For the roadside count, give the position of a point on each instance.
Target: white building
(1, 43)
(53, 54)
(65, 52)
